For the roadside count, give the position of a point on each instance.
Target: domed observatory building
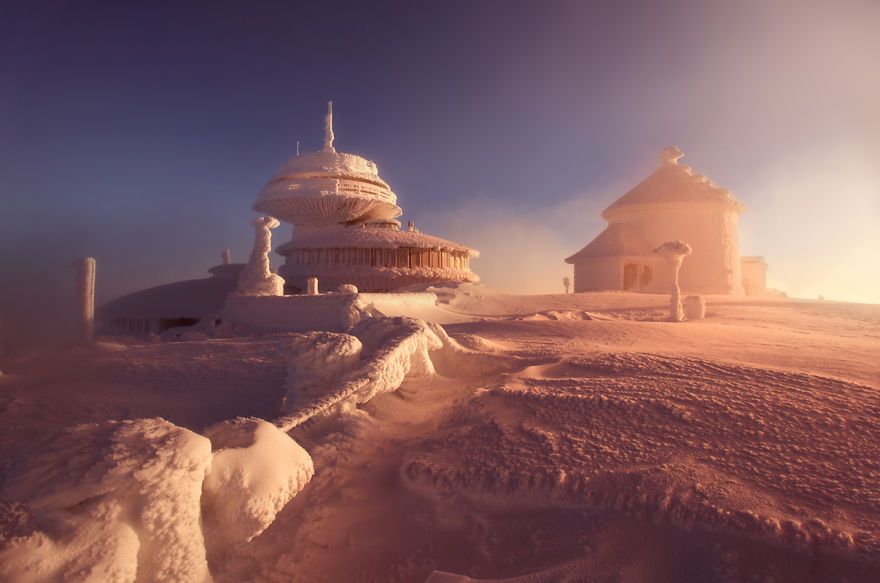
(345, 227)
(674, 203)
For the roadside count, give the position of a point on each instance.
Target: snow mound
(256, 470)
(115, 501)
(559, 315)
(475, 342)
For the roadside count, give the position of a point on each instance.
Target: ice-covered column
(256, 278)
(566, 283)
(85, 296)
(312, 283)
(674, 252)
(225, 257)
(328, 129)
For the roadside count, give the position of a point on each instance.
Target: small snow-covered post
(674, 252)
(566, 283)
(85, 296)
(225, 257)
(312, 284)
(256, 278)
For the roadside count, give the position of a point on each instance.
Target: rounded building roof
(673, 183)
(193, 298)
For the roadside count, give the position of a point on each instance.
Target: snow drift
(113, 501)
(147, 500)
(256, 469)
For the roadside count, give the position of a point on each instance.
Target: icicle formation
(328, 129)
(256, 278)
(674, 252)
(85, 295)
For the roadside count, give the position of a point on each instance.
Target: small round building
(345, 227)
(672, 204)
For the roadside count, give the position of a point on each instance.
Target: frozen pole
(225, 257)
(85, 296)
(328, 129)
(566, 283)
(674, 252)
(312, 283)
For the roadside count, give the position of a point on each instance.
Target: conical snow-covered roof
(617, 240)
(672, 183)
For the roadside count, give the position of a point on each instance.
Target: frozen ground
(618, 447)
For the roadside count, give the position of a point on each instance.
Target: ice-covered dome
(328, 188)
(672, 183)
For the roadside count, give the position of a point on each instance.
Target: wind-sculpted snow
(112, 502)
(256, 469)
(391, 350)
(775, 455)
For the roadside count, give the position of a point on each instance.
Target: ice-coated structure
(345, 227)
(85, 296)
(256, 278)
(674, 253)
(182, 303)
(673, 203)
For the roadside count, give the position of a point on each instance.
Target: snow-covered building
(182, 303)
(672, 204)
(345, 227)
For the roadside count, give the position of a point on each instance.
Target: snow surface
(568, 437)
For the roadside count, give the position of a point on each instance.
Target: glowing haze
(139, 132)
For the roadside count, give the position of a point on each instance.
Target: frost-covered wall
(712, 231)
(598, 274)
(332, 312)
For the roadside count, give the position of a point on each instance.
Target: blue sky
(140, 132)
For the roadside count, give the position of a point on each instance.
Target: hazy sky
(139, 133)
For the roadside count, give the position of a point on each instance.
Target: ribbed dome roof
(673, 183)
